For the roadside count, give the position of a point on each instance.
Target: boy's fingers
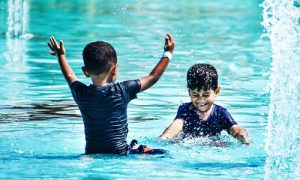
(50, 46)
(166, 40)
(54, 43)
(169, 40)
(52, 53)
(61, 44)
(169, 43)
(170, 37)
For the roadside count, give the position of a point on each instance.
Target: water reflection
(37, 112)
(54, 109)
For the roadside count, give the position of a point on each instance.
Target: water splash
(17, 18)
(15, 67)
(16, 34)
(283, 131)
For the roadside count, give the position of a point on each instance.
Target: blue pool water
(41, 131)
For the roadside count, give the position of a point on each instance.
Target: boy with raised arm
(103, 104)
(201, 117)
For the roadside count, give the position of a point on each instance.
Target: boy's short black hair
(98, 57)
(202, 76)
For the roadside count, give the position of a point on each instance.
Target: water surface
(41, 128)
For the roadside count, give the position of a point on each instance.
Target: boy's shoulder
(130, 85)
(76, 84)
(127, 88)
(136, 81)
(126, 82)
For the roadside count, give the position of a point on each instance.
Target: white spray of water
(16, 43)
(16, 35)
(17, 18)
(282, 143)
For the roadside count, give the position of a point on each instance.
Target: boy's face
(203, 100)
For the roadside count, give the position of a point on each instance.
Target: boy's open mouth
(202, 104)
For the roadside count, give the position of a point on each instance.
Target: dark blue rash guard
(104, 113)
(194, 126)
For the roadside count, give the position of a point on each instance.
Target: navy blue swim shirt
(104, 113)
(194, 126)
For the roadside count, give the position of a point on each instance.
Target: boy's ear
(189, 91)
(114, 69)
(85, 72)
(218, 90)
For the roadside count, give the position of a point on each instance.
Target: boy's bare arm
(173, 130)
(158, 70)
(239, 133)
(60, 52)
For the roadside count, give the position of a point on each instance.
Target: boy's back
(104, 113)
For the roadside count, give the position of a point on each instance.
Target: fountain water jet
(17, 18)
(16, 35)
(282, 143)
(15, 66)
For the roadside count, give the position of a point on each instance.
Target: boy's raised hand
(169, 43)
(160, 67)
(60, 52)
(57, 50)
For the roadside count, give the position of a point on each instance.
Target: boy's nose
(201, 100)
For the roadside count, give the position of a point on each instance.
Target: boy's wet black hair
(98, 57)
(202, 76)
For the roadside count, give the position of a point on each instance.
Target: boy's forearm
(173, 130)
(157, 72)
(66, 69)
(60, 52)
(239, 133)
(167, 134)
(161, 66)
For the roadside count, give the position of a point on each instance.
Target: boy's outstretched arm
(60, 52)
(158, 70)
(239, 133)
(173, 130)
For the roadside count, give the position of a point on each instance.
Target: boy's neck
(101, 80)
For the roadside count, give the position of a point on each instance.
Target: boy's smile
(203, 100)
